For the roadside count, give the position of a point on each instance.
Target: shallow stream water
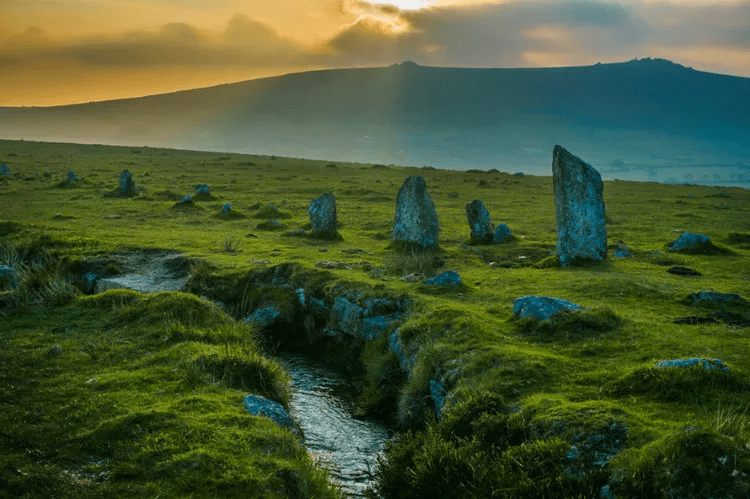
(324, 403)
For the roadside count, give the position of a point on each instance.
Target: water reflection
(324, 403)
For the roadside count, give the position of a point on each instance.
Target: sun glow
(407, 4)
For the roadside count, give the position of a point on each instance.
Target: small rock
(714, 297)
(502, 234)
(187, 200)
(683, 271)
(270, 225)
(298, 232)
(9, 275)
(55, 351)
(261, 406)
(4, 170)
(708, 364)
(541, 308)
(89, 279)
(413, 277)
(202, 190)
(263, 317)
(688, 240)
(622, 254)
(72, 177)
(226, 209)
(328, 264)
(346, 315)
(447, 278)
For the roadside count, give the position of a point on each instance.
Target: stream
(324, 402)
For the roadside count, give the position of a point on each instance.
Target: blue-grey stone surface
(226, 209)
(707, 364)
(438, 396)
(502, 234)
(371, 328)
(263, 317)
(688, 240)
(416, 220)
(480, 224)
(318, 308)
(622, 253)
(579, 207)
(447, 278)
(202, 190)
(261, 406)
(541, 308)
(4, 170)
(89, 278)
(188, 199)
(127, 185)
(346, 315)
(322, 213)
(714, 297)
(405, 360)
(9, 275)
(72, 177)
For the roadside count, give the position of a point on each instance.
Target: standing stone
(416, 220)
(226, 209)
(480, 225)
(579, 205)
(322, 215)
(4, 170)
(127, 186)
(72, 177)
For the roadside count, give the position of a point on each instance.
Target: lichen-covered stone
(261, 406)
(416, 220)
(708, 364)
(226, 209)
(127, 185)
(9, 275)
(502, 234)
(72, 177)
(322, 213)
(689, 240)
(541, 308)
(579, 206)
(346, 315)
(480, 224)
(187, 200)
(447, 278)
(202, 190)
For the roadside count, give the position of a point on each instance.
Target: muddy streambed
(324, 403)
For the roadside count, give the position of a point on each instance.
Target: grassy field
(130, 395)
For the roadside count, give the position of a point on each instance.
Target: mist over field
(644, 120)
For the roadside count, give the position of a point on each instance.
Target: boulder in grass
(187, 200)
(579, 209)
(502, 234)
(714, 297)
(261, 406)
(447, 278)
(4, 170)
(226, 209)
(322, 213)
(708, 364)
(416, 221)
(541, 308)
(263, 317)
(9, 275)
(72, 177)
(689, 241)
(202, 190)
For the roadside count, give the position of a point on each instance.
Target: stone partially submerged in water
(579, 207)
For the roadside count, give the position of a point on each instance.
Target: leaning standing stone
(579, 205)
(127, 186)
(416, 219)
(322, 215)
(480, 225)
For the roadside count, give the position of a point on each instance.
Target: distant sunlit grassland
(521, 394)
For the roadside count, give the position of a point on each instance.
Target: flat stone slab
(541, 308)
(708, 364)
(714, 297)
(447, 278)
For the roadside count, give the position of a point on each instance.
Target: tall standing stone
(579, 206)
(127, 186)
(480, 225)
(322, 215)
(416, 219)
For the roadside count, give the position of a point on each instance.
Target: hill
(643, 119)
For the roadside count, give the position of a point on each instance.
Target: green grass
(172, 368)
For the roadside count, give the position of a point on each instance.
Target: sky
(56, 52)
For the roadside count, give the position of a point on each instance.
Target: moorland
(127, 394)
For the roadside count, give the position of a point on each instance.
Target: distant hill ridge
(647, 113)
